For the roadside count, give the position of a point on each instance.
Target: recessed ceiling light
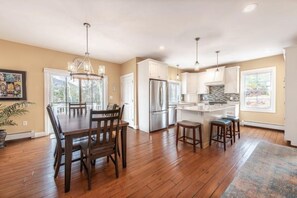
(250, 8)
(161, 47)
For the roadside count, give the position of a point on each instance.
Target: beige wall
(271, 118)
(33, 60)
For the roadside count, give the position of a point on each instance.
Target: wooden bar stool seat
(189, 125)
(235, 125)
(223, 127)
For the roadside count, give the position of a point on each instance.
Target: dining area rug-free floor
(270, 171)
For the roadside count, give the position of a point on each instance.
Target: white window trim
(273, 90)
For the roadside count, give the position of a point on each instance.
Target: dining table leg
(68, 160)
(124, 145)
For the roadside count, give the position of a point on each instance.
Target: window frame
(272, 109)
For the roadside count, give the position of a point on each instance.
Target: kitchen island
(204, 114)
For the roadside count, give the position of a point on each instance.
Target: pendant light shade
(197, 64)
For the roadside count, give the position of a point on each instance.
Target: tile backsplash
(216, 94)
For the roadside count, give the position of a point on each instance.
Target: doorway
(127, 98)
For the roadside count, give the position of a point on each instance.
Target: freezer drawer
(171, 115)
(158, 120)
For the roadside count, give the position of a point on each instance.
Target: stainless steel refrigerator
(158, 105)
(173, 98)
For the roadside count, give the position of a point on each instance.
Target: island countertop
(206, 108)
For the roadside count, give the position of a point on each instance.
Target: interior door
(127, 98)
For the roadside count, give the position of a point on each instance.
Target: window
(60, 89)
(258, 90)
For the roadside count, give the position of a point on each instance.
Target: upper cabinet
(202, 88)
(189, 83)
(232, 79)
(215, 76)
(157, 70)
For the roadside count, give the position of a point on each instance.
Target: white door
(127, 98)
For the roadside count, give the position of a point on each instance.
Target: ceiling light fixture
(197, 64)
(177, 73)
(82, 68)
(217, 60)
(161, 47)
(250, 8)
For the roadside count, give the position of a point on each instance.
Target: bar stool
(189, 125)
(223, 126)
(235, 125)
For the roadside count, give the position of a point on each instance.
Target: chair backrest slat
(104, 123)
(77, 108)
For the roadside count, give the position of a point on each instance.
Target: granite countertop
(207, 108)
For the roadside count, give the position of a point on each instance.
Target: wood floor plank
(155, 167)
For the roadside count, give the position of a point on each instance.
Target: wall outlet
(25, 123)
(110, 97)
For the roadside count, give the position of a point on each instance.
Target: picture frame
(13, 85)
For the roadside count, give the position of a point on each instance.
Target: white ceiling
(124, 29)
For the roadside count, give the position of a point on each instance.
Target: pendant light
(177, 73)
(197, 64)
(217, 60)
(82, 68)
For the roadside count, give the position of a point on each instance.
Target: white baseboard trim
(263, 125)
(39, 134)
(26, 134)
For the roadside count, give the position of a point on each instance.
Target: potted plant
(6, 112)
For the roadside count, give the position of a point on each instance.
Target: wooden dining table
(75, 126)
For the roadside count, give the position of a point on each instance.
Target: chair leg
(89, 174)
(233, 134)
(184, 134)
(238, 125)
(116, 163)
(210, 137)
(177, 133)
(200, 136)
(56, 159)
(224, 136)
(57, 168)
(194, 139)
(81, 160)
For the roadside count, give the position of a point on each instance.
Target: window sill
(258, 110)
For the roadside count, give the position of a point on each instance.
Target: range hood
(215, 76)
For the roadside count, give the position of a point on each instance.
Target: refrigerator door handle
(160, 93)
(161, 97)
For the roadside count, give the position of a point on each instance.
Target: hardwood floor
(155, 168)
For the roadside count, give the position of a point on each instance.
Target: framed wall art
(12, 85)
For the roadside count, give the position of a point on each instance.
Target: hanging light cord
(217, 60)
(197, 39)
(87, 38)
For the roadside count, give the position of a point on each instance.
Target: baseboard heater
(263, 125)
(22, 135)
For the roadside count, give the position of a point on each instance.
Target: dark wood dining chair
(106, 126)
(77, 108)
(60, 145)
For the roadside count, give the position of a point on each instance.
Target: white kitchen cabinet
(290, 95)
(201, 87)
(157, 70)
(232, 79)
(189, 83)
(215, 76)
